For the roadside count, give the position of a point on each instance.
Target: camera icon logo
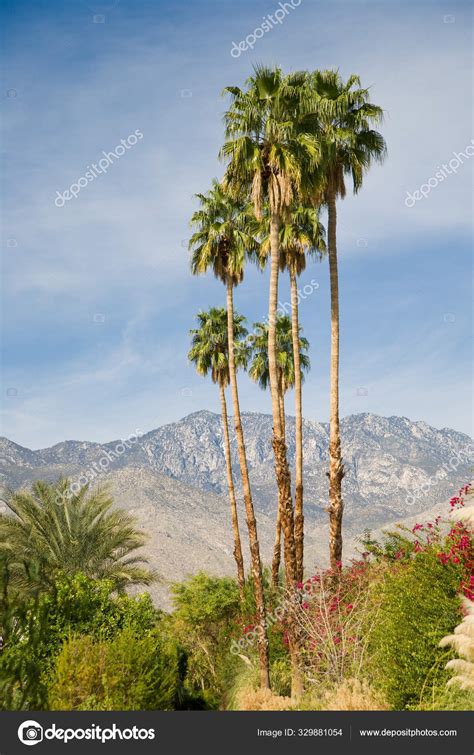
(30, 733)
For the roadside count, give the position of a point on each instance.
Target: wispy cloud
(119, 249)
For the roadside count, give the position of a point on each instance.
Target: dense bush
(204, 622)
(35, 629)
(128, 672)
(420, 604)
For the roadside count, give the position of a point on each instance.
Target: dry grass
(261, 699)
(463, 642)
(353, 694)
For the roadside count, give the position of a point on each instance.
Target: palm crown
(69, 533)
(269, 146)
(259, 368)
(300, 233)
(209, 346)
(345, 116)
(224, 235)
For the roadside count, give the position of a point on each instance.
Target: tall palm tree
(350, 146)
(287, 378)
(210, 353)
(82, 534)
(301, 233)
(222, 240)
(269, 155)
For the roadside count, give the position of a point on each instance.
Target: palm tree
(210, 353)
(349, 146)
(81, 534)
(270, 156)
(287, 378)
(222, 240)
(301, 233)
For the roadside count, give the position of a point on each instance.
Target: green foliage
(65, 532)
(24, 627)
(204, 622)
(224, 236)
(127, 672)
(203, 601)
(280, 675)
(446, 698)
(35, 629)
(301, 234)
(420, 605)
(209, 345)
(80, 604)
(260, 370)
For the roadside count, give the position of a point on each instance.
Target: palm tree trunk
(336, 468)
(277, 545)
(233, 504)
(256, 562)
(282, 470)
(299, 517)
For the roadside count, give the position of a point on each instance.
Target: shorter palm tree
(260, 372)
(222, 241)
(210, 354)
(301, 234)
(81, 534)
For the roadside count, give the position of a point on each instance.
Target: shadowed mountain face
(174, 480)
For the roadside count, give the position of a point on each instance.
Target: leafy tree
(205, 618)
(35, 628)
(420, 605)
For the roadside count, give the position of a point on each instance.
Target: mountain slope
(173, 480)
(388, 460)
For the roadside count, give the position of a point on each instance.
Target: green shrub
(35, 629)
(420, 605)
(86, 606)
(127, 672)
(204, 622)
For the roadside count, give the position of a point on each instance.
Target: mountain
(388, 460)
(173, 479)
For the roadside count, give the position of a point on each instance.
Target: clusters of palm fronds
(40, 539)
(290, 140)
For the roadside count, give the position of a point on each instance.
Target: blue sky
(97, 297)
